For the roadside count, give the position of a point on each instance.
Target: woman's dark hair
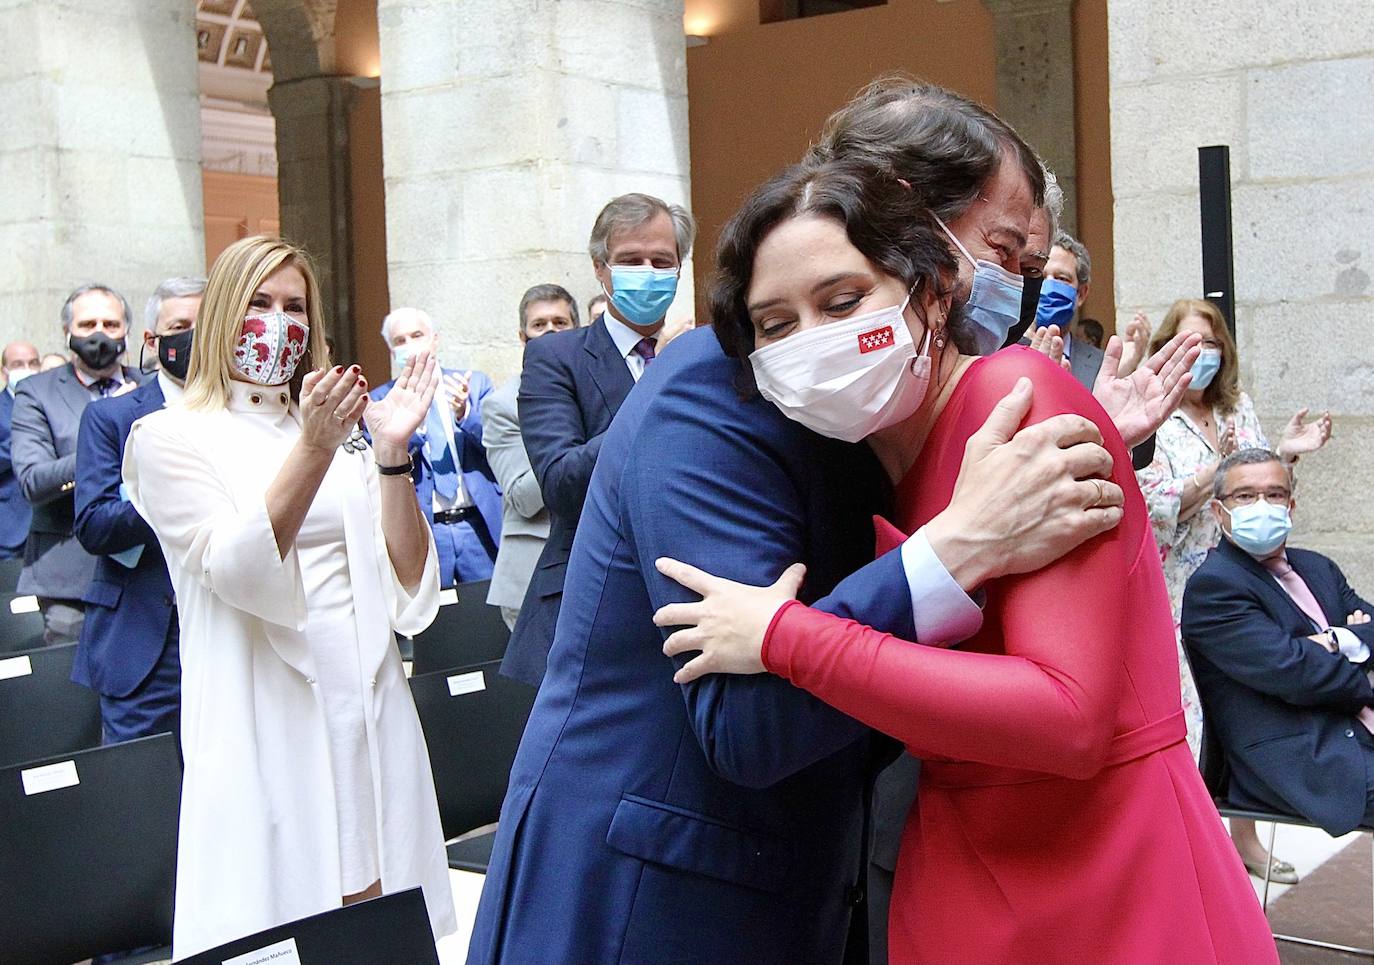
(882, 217)
(942, 144)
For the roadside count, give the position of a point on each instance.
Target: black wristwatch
(403, 469)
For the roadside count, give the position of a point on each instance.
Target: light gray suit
(524, 520)
(47, 415)
(1085, 359)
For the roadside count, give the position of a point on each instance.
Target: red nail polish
(355, 370)
(338, 370)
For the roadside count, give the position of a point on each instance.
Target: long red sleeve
(1042, 693)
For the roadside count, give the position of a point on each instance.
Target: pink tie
(1301, 594)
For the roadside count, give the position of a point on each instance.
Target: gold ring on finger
(1101, 492)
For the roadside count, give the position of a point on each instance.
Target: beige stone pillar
(1290, 93)
(507, 124)
(100, 162)
(1035, 85)
(311, 116)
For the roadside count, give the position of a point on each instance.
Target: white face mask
(847, 379)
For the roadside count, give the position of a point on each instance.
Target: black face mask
(174, 353)
(97, 351)
(1030, 299)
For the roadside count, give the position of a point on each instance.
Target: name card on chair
(278, 953)
(466, 683)
(24, 604)
(448, 596)
(15, 667)
(49, 777)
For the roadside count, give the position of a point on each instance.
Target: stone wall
(1291, 89)
(100, 163)
(507, 125)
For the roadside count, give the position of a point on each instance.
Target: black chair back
(42, 713)
(88, 851)
(473, 719)
(467, 631)
(22, 630)
(391, 930)
(9, 576)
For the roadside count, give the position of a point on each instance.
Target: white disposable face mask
(847, 379)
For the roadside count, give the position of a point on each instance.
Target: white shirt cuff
(1352, 647)
(942, 611)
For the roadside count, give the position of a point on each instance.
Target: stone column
(1290, 94)
(507, 124)
(101, 156)
(1035, 85)
(311, 116)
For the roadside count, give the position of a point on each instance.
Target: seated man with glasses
(1280, 648)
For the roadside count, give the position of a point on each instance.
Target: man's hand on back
(1024, 498)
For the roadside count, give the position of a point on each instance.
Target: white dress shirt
(625, 339)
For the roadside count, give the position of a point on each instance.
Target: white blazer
(258, 834)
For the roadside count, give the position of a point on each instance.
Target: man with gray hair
(129, 651)
(1068, 277)
(47, 414)
(1280, 647)
(544, 309)
(453, 480)
(574, 383)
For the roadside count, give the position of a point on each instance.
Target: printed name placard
(448, 596)
(15, 667)
(281, 953)
(49, 777)
(466, 683)
(24, 604)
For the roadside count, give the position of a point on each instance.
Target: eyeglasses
(1248, 497)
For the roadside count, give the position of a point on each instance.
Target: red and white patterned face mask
(270, 347)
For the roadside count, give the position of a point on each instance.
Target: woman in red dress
(1060, 816)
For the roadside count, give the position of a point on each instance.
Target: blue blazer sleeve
(556, 439)
(1228, 626)
(104, 523)
(734, 512)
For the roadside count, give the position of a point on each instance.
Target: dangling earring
(940, 338)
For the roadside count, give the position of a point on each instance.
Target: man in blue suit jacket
(20, 360)
(1280, 647)
(722, 821)
(128, 652)
(574, 382)
(454, 482)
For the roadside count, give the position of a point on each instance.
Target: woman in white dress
(295, 552)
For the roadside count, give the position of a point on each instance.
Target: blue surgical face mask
(994, 302)
(1205, 368)
(1058, 299)
(1259, 528)
(642, 295)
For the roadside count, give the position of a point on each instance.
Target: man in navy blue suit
(19, 360)
(1280, 647)
(128, 652)
(453, 480)
(574, 382)
(721, 821)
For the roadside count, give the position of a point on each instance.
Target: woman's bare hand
(331, 403)
(727, 625)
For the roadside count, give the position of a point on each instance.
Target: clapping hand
(1356, 618)
(457, 388)
(1046, 340)
(1301, 437)
(331, 402)
(1227, 443)
(1136, 341)
(1140, 402)
(394, 419)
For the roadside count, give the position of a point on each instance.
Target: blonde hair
(234, 278)
(1223, 394)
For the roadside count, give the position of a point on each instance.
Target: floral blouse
(1181, 450)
